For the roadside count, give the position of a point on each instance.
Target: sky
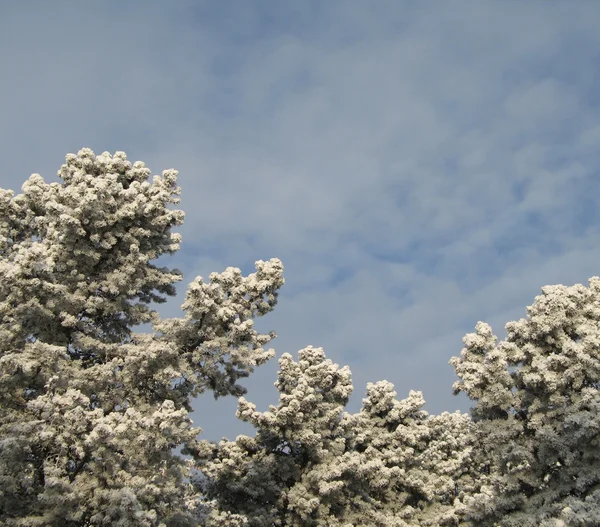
(417, 166)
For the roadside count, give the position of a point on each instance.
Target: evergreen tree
(89, 410)
(536, 415)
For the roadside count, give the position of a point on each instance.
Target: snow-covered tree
(537, 412)
(272, 479)
(90, 411)
(312, 464)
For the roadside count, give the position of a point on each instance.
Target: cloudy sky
(417, 166)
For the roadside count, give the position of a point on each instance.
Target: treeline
(91, 411)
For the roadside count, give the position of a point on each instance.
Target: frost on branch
(216, 337)
(537, 405)
(90, 411)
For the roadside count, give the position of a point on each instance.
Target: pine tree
(536, 412)
(90, 411)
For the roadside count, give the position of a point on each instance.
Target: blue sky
(417, 166)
